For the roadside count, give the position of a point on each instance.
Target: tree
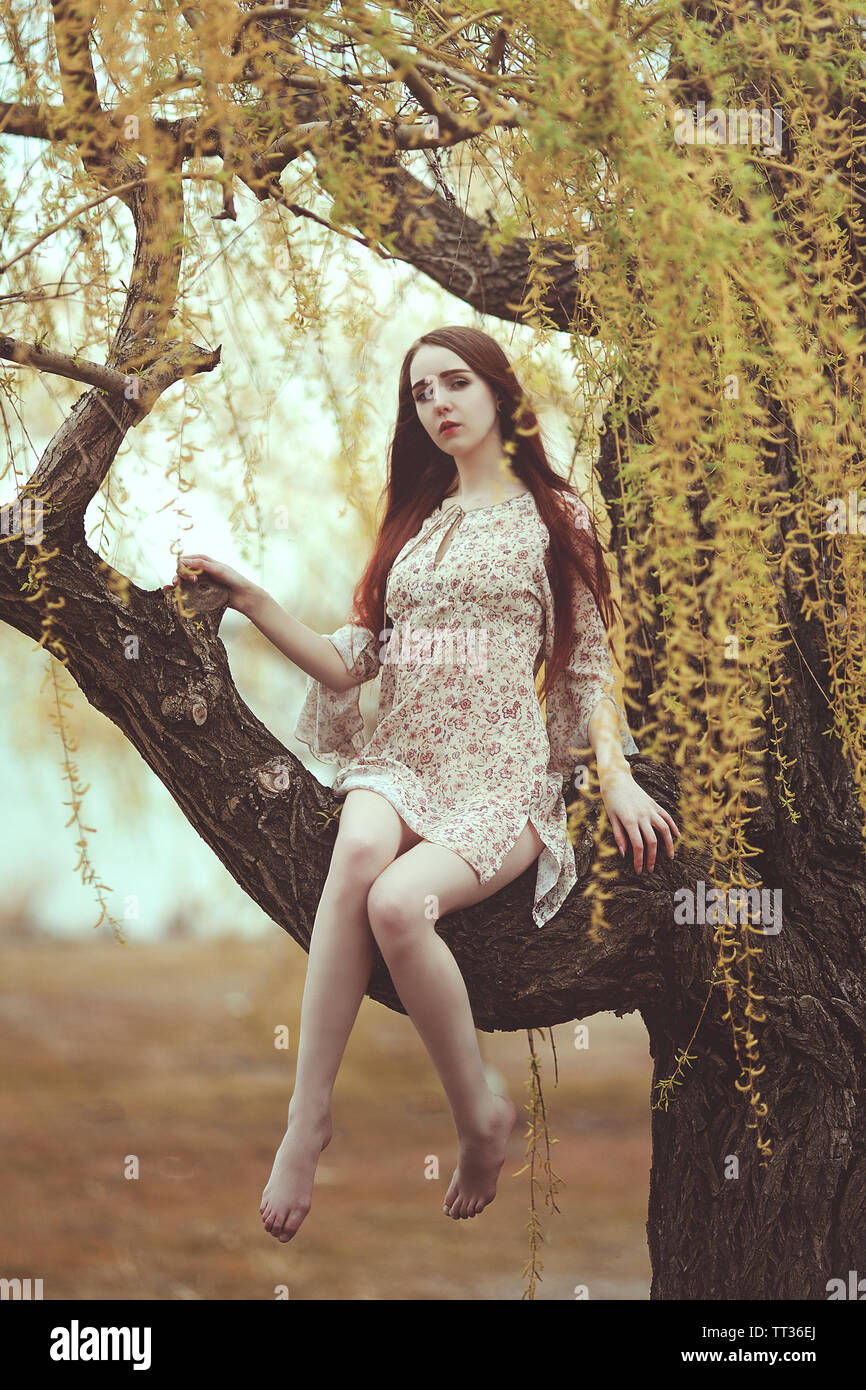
(704, 266)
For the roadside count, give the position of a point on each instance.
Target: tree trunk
(721, 1225)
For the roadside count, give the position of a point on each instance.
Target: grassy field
(165, 1052)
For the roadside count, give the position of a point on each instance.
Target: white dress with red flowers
(461, 749)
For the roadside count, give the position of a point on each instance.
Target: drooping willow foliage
(675, 190)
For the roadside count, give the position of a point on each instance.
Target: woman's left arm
(631, 810)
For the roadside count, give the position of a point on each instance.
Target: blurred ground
(166, 1051)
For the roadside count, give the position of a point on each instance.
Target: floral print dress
(461, 748)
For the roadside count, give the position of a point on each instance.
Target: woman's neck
(494, 489)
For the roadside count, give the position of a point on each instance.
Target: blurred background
(163, 1048)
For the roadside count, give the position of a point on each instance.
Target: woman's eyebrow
(449, 371)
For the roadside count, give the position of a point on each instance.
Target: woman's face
(444, 390)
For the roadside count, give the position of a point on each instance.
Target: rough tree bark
(780, 1231)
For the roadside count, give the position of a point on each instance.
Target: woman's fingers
(641, 835)
(652, 845)
(642, 829)
(625, 833)
(665, 830)
(192, 566)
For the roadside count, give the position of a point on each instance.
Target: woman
(482, 547)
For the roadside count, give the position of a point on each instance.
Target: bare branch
(58, 364)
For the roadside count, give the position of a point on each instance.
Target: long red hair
(420, 476)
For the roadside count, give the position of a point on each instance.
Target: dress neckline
(457, 506)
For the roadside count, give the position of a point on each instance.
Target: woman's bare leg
(370, 836)
(432, 990)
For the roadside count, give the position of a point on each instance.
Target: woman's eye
(427, 394)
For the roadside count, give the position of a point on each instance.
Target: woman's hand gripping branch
(242, 593)
(634, 815)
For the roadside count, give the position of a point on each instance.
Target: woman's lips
(449, 429)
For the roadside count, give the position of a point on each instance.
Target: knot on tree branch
(274, 776)
(188, 709)
(205, 597)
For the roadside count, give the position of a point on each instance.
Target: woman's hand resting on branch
(632, 813)
(241, 591)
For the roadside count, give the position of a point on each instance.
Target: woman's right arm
(306, 648)
(314, 653)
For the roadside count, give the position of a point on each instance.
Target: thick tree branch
(256, 806)
(439, 239)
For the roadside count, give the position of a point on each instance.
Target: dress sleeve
(330, 721)
(587, 678)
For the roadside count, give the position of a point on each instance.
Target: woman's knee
(358, 858)
(394, 919)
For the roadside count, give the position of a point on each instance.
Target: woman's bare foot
(288, 1194)
(473, 1186)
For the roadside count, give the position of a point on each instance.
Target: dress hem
(359, 743)
(552, 848)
